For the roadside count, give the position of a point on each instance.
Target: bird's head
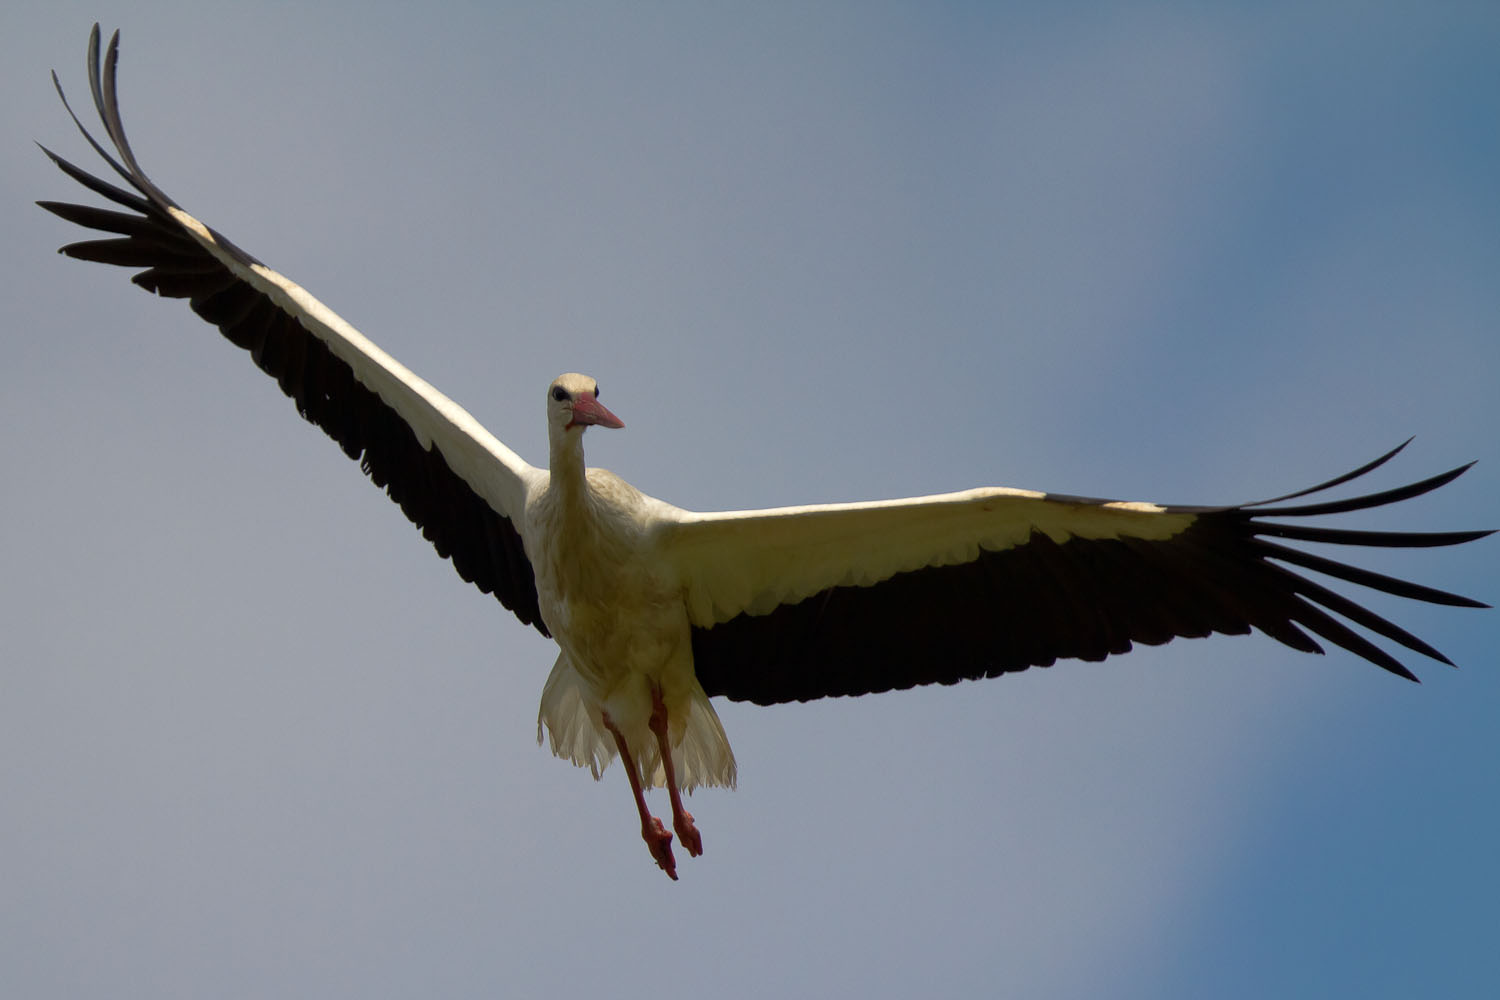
(573, 404)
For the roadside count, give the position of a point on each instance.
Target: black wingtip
(1368, 467)
(1380, 499)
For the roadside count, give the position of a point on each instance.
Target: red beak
(588, 410)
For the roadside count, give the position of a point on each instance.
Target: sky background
(256, 740)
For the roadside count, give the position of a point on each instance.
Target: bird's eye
(559, 393)
(596, 390)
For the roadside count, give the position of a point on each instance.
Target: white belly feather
(619, 618)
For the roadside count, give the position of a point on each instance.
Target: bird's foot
(659, 843)
(682, 822)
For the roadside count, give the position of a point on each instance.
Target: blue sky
(255, 739)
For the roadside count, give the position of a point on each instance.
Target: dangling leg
(682, 820)
(658, 840)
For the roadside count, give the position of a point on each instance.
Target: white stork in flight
(656, 609)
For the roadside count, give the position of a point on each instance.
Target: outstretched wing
(453, 479)
(845, 599)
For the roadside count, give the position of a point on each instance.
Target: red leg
(682, 820)
(658, 840)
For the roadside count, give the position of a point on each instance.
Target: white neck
(565, 462)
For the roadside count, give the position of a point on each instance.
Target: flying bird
(656, 609)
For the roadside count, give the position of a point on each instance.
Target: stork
(656, 609)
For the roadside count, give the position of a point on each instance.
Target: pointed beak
(587, 410)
